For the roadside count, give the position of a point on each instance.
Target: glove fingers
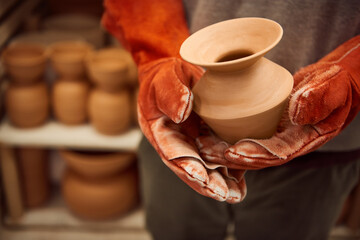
(325, 90)
(237, 189)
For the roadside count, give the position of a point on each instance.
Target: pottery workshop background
(68, 126)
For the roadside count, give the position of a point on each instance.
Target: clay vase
(242, 94)
(111, 69)
(27, 106)
(110, 112)
(69, 100)
(100, 195)
(25, 62)
(34, 173)
(68, 58)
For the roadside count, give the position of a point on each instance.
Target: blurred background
(69, 133)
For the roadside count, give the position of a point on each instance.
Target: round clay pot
(242, 94)
(111, 69)
(103, 199)
(68, 58)
(27, 106)
(134, 105)
(25, 62)
(92, 164)
(34, 174)
(69, 99)
(110, 112)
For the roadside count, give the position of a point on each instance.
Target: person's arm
(153, 31)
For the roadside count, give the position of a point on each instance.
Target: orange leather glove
(153, 31)
(325, 98)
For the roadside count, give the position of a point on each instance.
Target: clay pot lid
(69, 51)
(24, 54)
(208, 45)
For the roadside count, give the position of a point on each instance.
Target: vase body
(242, 94)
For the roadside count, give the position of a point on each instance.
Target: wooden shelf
(57, 135)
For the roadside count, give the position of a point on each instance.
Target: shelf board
(57, 135)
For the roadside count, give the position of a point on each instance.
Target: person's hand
(325, 98)
(153, 31)
(164, 110)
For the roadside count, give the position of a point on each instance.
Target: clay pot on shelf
(27, 106)
(134, 105)
(69, 100)
(68, 58)
(25, 62)
(34, 173)
(110, 112)
(97, 164)
(111, 69)
(100, 195)
(242, 94)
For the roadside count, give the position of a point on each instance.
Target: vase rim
(187, 48)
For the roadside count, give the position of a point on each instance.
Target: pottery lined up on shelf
(27, 106)
(110, 112)
(25, 62)
(111, 69)
(68, 58)
(69, 100)
(33, 166)
(100, 195)
(242, 94)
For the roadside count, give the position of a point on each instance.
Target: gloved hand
(153, 30)
(325, 98)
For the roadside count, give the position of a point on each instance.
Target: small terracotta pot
(91, 164)
(111, 69)
(102, 199)
(69, 101)
(68, 58)
(27, 106)
(25, 62)
(134, 105)
(110, 112)
(34, 173)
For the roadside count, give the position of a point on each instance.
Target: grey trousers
(294, 201)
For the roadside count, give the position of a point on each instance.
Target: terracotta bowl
(69, 100)
(68, 58)
(92, 164)
(25, 62)
(27, 106)
(111, 69)
(34, 173)
(110, 112)
(104, 199)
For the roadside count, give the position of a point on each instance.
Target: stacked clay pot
(71, 88)
(99, 185)
(34, 173)
(27, 96)
(110, 104)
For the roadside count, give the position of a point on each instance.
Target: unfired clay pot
(25, 62)
(100, 185)
(68, 58)
(242, 94)
(110, 112)
(69, 99)
(34, 172)
(111, 69)
(27, 106)
(97, 164)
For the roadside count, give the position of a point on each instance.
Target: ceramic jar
(27, 106)
(111, 69)
(110, 112)
(68, 58)
(100, 195)
(69, 100)
(34, 173)
(242, 94)
(25, 62)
